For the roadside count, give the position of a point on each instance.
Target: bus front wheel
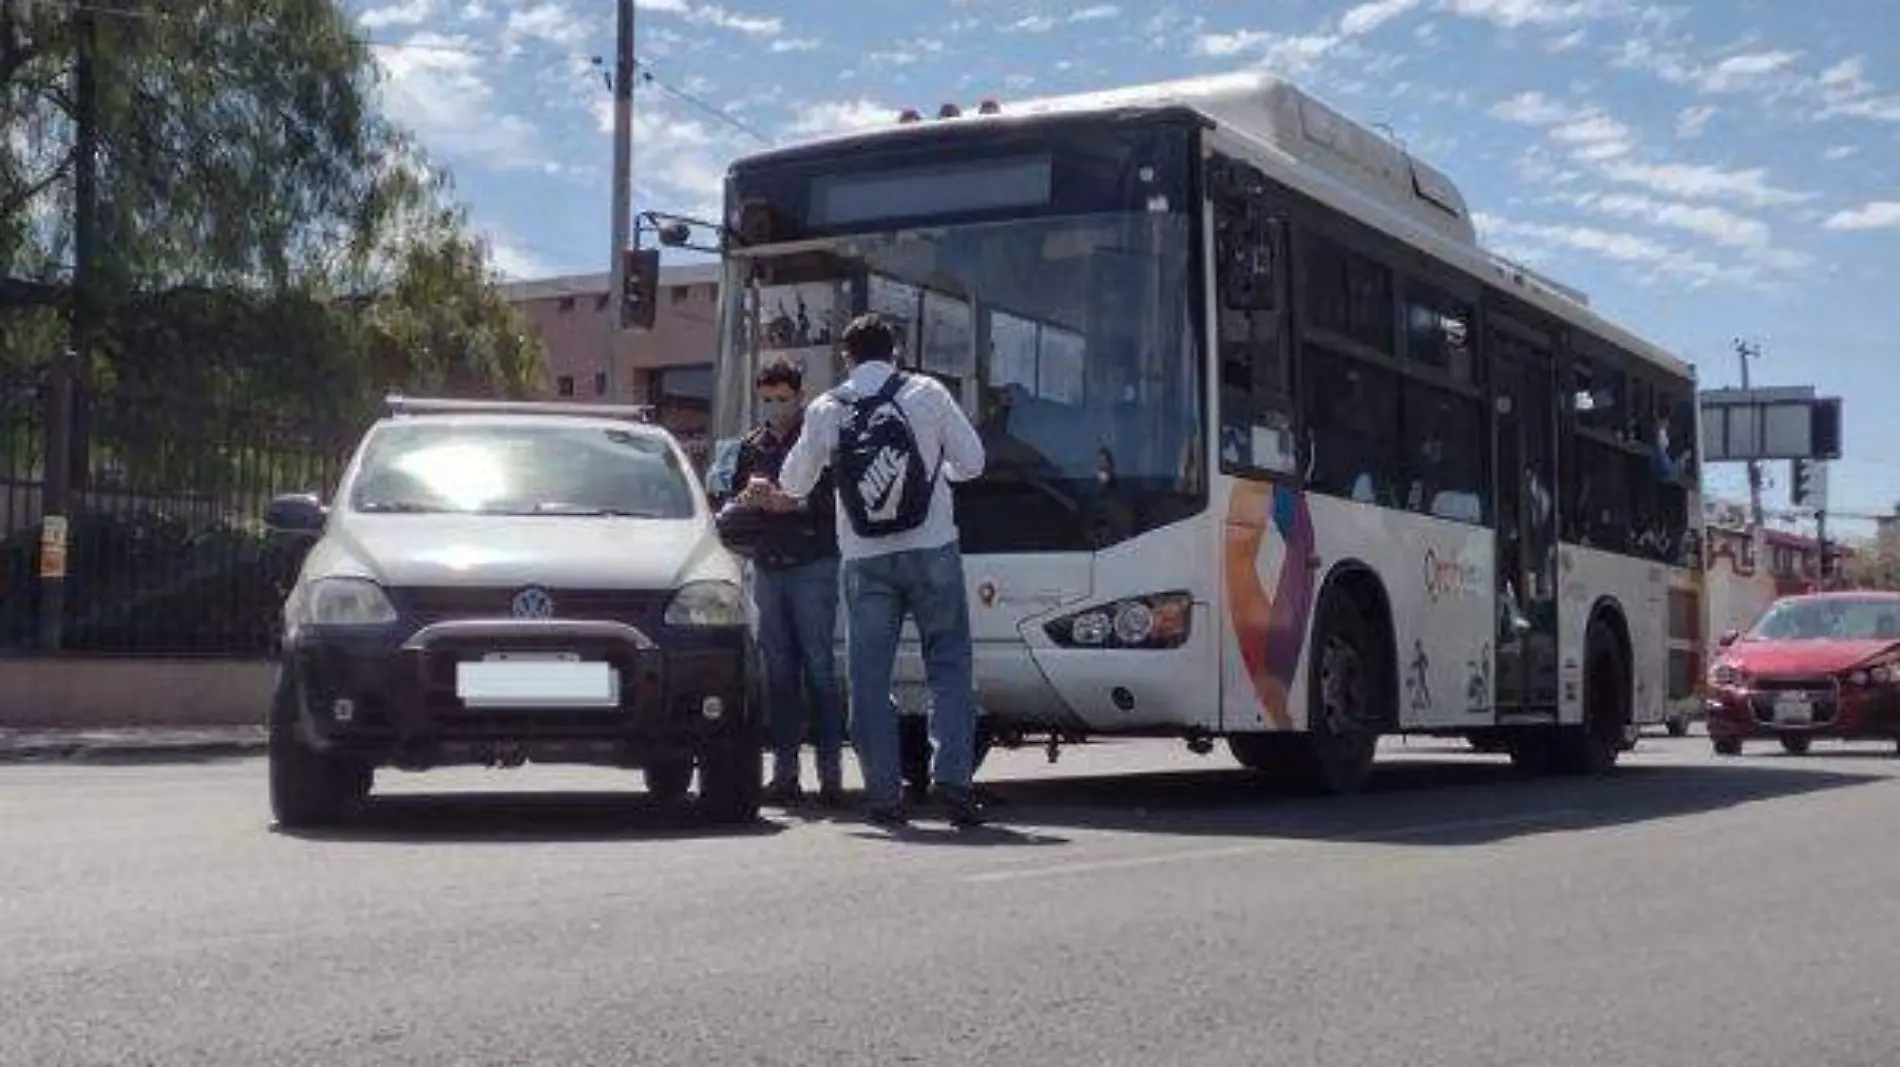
(1345, 698)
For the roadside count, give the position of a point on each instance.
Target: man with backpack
(893, 443)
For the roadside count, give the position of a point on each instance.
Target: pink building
(669, 366)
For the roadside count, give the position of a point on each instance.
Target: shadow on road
(513, 817)
(1447, 803)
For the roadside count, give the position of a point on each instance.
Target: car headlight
(346, 602)
(707, 604)
(1159, 620)
(1726, 675)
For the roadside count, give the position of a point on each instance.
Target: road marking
(1264, 847)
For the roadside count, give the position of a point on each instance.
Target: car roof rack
(400, 405)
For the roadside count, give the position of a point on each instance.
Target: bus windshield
(1070, 340)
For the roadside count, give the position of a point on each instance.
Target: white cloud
(1095, 13)
(1594, 136)
(1741, 72)
(1695, 181)
(796, 44)
(406, 13)
(840, 116)
(551, 22)
(513, 262)
(1654, 258)
(1511, 14)
(1289, 55)
(1034, 24)
(1531, 108)
(1370, 16)
(439, 88)
(1874, 215)
(756, 25)
(1691, 121)
(1569, 42)
(1840, 152)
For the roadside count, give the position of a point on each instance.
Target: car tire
(1678, 726)
(1726, 746)
(308, 789)
(669, 780)
(731, 778)
(1796, 744)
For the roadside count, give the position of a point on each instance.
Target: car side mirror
(296, 513)
(1728, 638)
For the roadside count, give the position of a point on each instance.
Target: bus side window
(1256, 379)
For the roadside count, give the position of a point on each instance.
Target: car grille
(427, 606)
(1822, 693)
(1809, 683)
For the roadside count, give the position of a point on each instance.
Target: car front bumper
(393, 699)
(1867, 714)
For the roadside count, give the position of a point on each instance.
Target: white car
(502, 582)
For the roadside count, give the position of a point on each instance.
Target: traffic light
(1804, 485)
(641, 288)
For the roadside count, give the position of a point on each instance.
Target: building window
(687, 387)
(567, 304)
(600, 302)
(1354, 406)
(564, 385)
(678, 294)
(600, 383)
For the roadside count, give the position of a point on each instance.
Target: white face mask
(778, 413)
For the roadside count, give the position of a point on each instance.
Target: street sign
(1776, 423)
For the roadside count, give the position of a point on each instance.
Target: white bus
(1277, 453)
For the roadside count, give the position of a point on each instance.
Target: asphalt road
(1139, 906)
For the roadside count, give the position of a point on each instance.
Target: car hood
(1803, 657)
(409, 551)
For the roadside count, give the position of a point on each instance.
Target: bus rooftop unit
(1277, 451)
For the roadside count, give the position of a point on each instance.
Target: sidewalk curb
(128, 750)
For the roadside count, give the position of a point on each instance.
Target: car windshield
(520, 469)
(1833, 619)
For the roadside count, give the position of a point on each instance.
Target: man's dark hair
(781, 372)
(869, 339)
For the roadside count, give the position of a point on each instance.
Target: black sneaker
(962, 807)
(889, 816)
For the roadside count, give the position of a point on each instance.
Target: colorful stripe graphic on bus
(1269, 629)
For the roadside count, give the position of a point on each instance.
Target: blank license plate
(537, 683)
(1794, 710)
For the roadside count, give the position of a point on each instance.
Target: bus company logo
(1450, 578)
(986, 593)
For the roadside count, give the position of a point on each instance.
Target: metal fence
(167, 554)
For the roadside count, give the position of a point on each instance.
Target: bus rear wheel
(1592, 747)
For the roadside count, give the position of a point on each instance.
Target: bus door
(1525, 641)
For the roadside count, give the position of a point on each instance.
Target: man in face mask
(795, 590)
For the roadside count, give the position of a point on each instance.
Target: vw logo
(533, 603)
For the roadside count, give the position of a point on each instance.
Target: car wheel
(1796, 744)
(1726, 746)
(308, 788)
(1677, 726)
(731, 773)
(669, 780)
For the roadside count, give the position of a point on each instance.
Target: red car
(1820, 665)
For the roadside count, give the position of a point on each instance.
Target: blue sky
(1705, 170)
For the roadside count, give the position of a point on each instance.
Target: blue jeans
(798, 620)
(927, 585)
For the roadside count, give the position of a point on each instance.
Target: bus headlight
(1157, 620)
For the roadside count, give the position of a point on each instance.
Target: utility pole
(56, 498)
(1745, 351)
(623, 193)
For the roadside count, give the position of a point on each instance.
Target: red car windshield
(1831, 619)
